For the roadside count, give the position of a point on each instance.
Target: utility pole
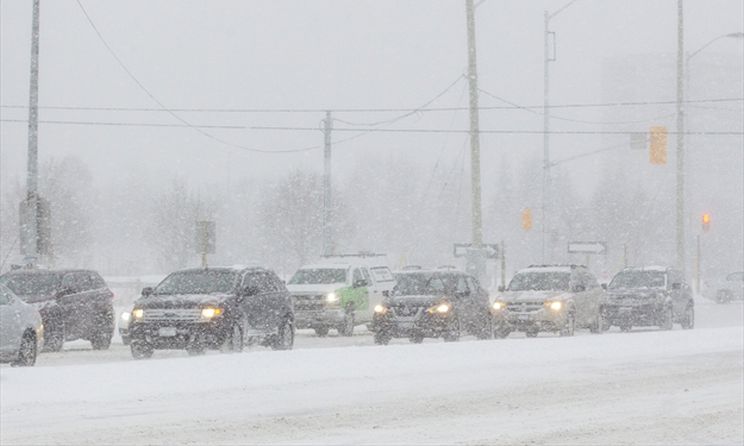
(546, 138)
(327, 203)
(474, 130)
(30, 227)
(680, 139)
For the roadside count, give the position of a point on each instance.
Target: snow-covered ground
(678, 387)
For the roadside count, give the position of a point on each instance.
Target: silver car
(21, 330)
(731, 288)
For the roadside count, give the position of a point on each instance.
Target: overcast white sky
(316, 54)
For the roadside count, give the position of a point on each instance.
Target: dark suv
(74, 304)
(214, 308)
(433, 304)
(649, 296)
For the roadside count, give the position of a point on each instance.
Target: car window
(75, 282)
(356, 275)
(96, 281)
(316, 276)
(472, 283)
(366, 275)
(461, 286)
(540, 281)
(198, 282)
(259, 280)
(277, 283)
(5, 296)
(382, 274)
(32, 283)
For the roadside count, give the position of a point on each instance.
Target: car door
(465, 302)
(75, 293)
(10, 322)
(679, 291)
(258, 301)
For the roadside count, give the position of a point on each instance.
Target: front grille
(309, 302)
(157, 315)
(524, 307)
(406, 310)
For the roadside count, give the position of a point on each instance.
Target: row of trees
(390, 206)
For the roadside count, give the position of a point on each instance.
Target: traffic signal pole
(327, 203)
(474, 128)
(680, 139)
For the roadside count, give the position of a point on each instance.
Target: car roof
(233, 268)
(551, 268)
(50, 271)
(658, 268)
(326, 266)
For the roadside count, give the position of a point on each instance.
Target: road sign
(587, 248)
(205, 237)
(491, 250)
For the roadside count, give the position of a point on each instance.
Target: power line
(361, 109)
(362, 130)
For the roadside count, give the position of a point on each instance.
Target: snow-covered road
(679, 387)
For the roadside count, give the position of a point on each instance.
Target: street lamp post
(546, 183)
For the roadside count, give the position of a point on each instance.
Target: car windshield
(638, 279)
(414, 284)
(540, 281)
(31, 284)
(198, 282)
(318, 276)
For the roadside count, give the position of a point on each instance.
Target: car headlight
(440, 309)
(138, 313)
(498, 306)
(555, 306)
(125, 316)
(210, 312)
(331, 297)
(380, 309)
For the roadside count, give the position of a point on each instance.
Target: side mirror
(604, 286)
(677, 286)
(360, 283)
(501, 288)
(147, 291)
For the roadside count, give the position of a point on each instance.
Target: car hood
(309, 288)
(180, 300)
(415, 300)
(534, 296)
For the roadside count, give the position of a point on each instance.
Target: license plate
(167, 332)
(524, 317)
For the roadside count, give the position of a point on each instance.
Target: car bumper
(540, 320)
(425, 325)
(178, 335)
(632, 314)
(319, 318)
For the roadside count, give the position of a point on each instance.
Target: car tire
(285, 336)
(416, 338)
(453, 332)
(569, 328)
(346, 329)
(101, 341)
(141, 350)
(382, 338)
(532, 333)
(689, 319)
(233, 340)
(625, 327)
(501, 332)
(54, 338)
(321, 332)
(667, 322)
(486, 330)
(26, 352)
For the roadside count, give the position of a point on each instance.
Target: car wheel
(486, 330)
(26, 351)
(141, 350)
(570, 326)
(501, 332)
(347, 328)
(531, 333)
(453, 332)
(54, 337)
(625, 327)
(285, 336)
(234, 340)
(321, 331)
(101, 341)
(689, 320)
(667, 322)
(382, 338)
(195, 350)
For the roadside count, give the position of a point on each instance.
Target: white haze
(125, 197)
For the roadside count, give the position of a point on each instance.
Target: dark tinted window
(421, 283)
(32, 283)
(198, 282)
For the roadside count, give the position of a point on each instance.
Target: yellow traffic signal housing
(657, 153)
(706, 222)
(526, 219)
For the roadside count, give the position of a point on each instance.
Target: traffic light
(526, 219)
(706, 222)
(657, 152)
